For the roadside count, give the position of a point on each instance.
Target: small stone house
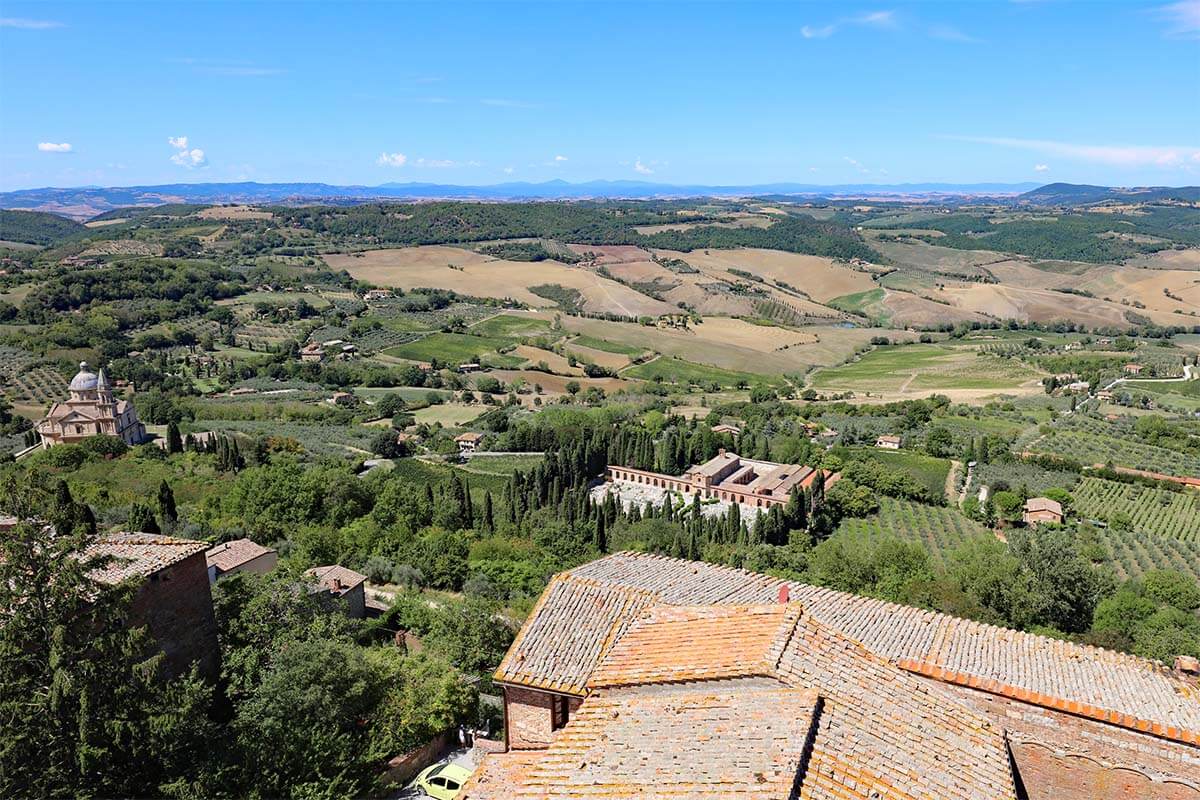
(888, 442)
(240, 555)
(346, 584)
(468, 442)
(1042, 509)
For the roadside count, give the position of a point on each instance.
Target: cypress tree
(601, 539)
(489, 524)
(174, 440)
(166, 503)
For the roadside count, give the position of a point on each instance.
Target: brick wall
(1048, 775)
(175, 604)
(527, 718)
(403, 768)
(1060, 756)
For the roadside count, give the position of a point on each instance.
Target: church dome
(84, 380)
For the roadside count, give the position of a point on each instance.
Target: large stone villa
(641, 676)
(91, 410)
(731, 478)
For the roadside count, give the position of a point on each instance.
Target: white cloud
(190, 158)
(560, 159)
(1041, 167)
(52, 147)
(949, 33)
(185, 157)
(873, 19)
(391, 160)
(29, 24)
(823, 32)
(509, 170)
(1111, 154)
(1183, 19)
(641, 168)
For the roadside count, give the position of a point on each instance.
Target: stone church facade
(90, 410)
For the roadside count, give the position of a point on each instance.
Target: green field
(675, 370)
(512, 326)
(923, 367)
(456, 348)
(502, 465)
(1133, 554)
(1090, 445)
(939, 529)
(930, 472)
(583, 340)
(1143, 509)
(858, 302)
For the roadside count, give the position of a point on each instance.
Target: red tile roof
(689, 742)
(755, 702)
(140, 554)
(587, 609)
(337, 579)
(231, 555)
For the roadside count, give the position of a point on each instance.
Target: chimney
(721, 451)
(336, 585)
(1187, 664)
(783, 593)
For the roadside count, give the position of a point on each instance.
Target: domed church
(91, 410)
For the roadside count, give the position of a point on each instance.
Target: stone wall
(403, 768)
(175, 604)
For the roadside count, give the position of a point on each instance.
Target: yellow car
(442, 781)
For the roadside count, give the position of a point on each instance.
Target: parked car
(442, 781)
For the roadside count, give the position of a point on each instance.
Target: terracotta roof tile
(672, 644)
(560, 639)
(573, 623)
(684, 742)
(140, 554)
(230, 555)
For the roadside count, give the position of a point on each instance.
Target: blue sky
(130, 93)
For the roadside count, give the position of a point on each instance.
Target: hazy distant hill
(1059, 194)
(88, 201)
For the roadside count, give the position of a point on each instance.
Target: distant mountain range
(1066, 194)
(88, 201)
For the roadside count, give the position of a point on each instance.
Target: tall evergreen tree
(166, 503)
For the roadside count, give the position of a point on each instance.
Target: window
(560, 711)
(452, 785)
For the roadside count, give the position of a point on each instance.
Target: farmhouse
(732, 430)
(888, 442)
(336, 581)
(342, 399)
(1042, 509)
(1132, 369)
(377, 294)
(173, 601)
(731, 478)
(239, 555)
(642, 676)
(467, 442)
(90, 410)
(312, 352)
